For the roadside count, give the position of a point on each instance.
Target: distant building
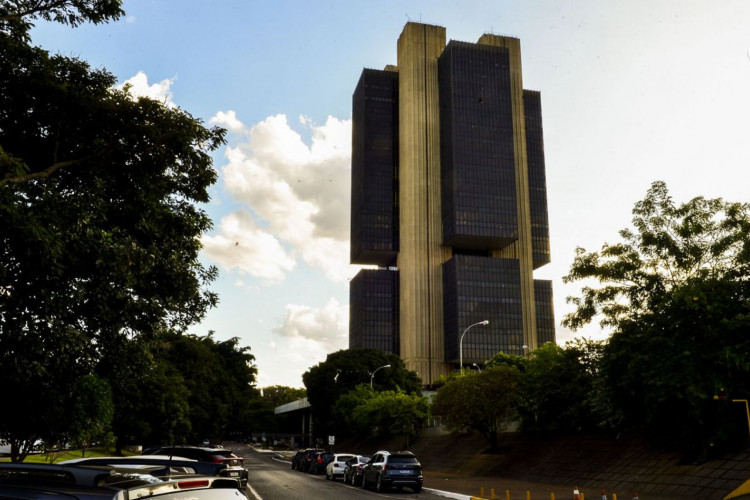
(449, 201)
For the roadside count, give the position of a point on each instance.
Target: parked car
(319, 462)
(335, 468)
(297, 458)
(235, 466)
(305, 460)
(105, 482)
(397, 469)
(353, 469)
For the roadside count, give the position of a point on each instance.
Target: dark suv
(235, 466)
(385, 470)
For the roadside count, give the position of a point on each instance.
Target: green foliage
(676, 294)
(365, 412)
(559, 388)
(502, 359)
(391, 413)
(277, 395)
(16, 15)
(219, 378)
(99, 242)
(703, 239)
(343, 371)
(91, 418)
(483, 401)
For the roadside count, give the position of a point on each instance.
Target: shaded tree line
(100, 220)
(674, 295)
(365, 392)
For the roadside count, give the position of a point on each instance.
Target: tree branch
(18, 179)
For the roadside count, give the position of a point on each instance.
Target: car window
(344, 458)
(402, 460)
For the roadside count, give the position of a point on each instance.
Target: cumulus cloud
(227, 120)
(298, 192)
(139, 87)
(245, 247)
(328, 326)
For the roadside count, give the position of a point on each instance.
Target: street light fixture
(461, 343)
(372, 375)
(477, 367)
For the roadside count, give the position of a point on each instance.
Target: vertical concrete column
(421, 253)
(523, 249)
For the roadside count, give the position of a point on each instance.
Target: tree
(484, 401)
(703, 239)
(676, 295)
(219, 377)
(392, 413)
(277, 395)
(16, 15)
(92, 412)
(99, 242)
(344, 370)
(558, 388)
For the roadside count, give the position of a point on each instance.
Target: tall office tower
(449, 201)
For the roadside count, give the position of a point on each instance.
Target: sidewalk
(464, 488)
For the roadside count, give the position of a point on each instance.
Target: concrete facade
(465, 201)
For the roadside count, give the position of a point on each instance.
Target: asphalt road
(269, 479)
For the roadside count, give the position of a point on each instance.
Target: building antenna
(407, 17)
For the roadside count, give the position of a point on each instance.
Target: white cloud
(160, 91)
(300, 193)
(227, 120)
(243, 246)
(327, 325)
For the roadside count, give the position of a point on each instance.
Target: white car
(335, 469)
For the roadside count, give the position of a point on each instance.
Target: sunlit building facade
(449, 202)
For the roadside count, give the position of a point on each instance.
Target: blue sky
(632, 92)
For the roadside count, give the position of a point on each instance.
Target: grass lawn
(59, 456)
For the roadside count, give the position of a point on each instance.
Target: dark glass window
(374, 215)
(373, 311)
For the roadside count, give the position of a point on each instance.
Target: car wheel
(417, 489)
(329, 477)
(379, 484)
(364, 482)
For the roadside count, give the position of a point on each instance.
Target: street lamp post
(372, 375)
(461, 343)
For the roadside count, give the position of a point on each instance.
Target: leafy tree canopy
(344, 370)
(483, 401)
(669, 247)
(16, 16)
(99, 242)
(676, 295)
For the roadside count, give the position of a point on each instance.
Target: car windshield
(344, 458)
(402, 459)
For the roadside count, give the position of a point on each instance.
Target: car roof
(87, 481)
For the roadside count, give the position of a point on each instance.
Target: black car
(397, 469)
(235, 466)
(353, 469)
(113, 482)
